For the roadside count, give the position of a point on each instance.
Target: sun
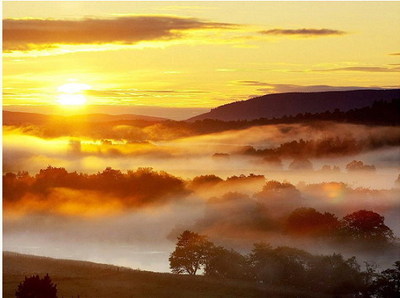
(71, 94)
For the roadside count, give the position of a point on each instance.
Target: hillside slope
(291, 104)
(88, 279)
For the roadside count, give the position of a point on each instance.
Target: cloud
(128, 93)
(28, 34)
(394, 54)
(364, 69)
(303, 32)
(252, 83)
(283, 88)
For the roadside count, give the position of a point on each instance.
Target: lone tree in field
(190, 254)
(35, 287)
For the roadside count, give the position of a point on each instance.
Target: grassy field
(88, 279)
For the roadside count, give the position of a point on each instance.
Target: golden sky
(194, 54)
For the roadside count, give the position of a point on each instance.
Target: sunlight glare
(71, 88)
(71, 99)
(71, 94)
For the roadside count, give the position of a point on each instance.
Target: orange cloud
(38, 34)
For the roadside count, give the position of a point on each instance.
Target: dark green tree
(387, 284)
(225, 263)
(335, 276)
(281, 265)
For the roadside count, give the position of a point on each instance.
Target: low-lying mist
(134, 213)
(117, 199)
(277, 151)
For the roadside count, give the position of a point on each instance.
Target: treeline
(329, 147)
(380, 113)
(135, 187)
(321, 148)
(364, 228)
(284, 267)
(324, 147)
(277, 208)
(362, 225)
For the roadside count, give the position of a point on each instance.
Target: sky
(160, 57)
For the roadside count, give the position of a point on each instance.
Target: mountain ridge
(290, 104)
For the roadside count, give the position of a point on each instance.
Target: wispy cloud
(364, 69)
(283, 88)
(122, 93)
(38, 34)
(303, 32)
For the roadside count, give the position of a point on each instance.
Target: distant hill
(20, 118)
(290, 104)
(88, 279)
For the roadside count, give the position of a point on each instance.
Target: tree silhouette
(191, 253)
(225, 263)
(387, 285)
(335, 275)
(281, 265)
(328, 275)
(310, 222)
(35, 287)
(358, 165)
(366, 225)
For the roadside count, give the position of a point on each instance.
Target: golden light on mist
(71, 94)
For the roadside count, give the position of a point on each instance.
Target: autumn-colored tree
(366, 225)
(310, 222)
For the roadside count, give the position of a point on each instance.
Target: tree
(358, 165)
(281, 265)
(293, 264)
(191, 253)
(335, 276)
(35, 287)
(301, 164)
(366, 225)
(225, 263)
(387, 285)
(205, 181)
(310, 222)
(261, 260)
